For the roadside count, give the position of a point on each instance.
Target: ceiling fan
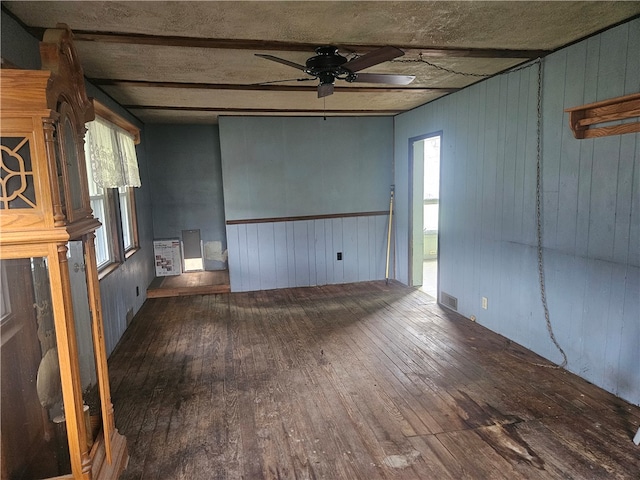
(328, 66)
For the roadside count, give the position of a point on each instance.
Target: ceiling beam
(260, 110)
(275, 45)
(107, 82)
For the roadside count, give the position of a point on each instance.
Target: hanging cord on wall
(540, 249)
(543, 296)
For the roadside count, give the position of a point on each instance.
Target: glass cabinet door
(32, 425)
(83, 321)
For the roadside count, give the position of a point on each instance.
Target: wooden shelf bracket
(587, 121)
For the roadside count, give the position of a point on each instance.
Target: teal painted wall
(118, 289)
(590, 208)
(186, 186)
(277, 167)
(284, 167)
(17, 46)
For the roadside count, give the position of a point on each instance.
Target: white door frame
(416, 187)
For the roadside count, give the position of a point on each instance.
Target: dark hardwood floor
(363, 381)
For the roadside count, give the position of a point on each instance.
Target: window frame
(116, 203)
(128, 198)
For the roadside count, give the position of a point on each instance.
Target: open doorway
(425, 202)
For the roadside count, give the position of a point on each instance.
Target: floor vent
(449, 301)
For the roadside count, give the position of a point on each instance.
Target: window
(128, 218)
(100, 207)
(112, 170)
(431, 183)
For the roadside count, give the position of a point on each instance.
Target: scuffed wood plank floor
(362, 381)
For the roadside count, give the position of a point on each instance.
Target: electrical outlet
(339, 256)
(485, 303)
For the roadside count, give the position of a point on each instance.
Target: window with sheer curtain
(100, 206)
(112, 154)
(112, 170)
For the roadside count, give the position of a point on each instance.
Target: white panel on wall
(245, 272)
(320, 253)
(302, 252)
(363, 248)
(289, 247)
(235, 275)
(264, 256)
(350, 249)
(281, 256)
(336, 240)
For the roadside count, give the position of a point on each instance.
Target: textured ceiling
(193, 61)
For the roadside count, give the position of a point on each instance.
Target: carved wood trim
(67, 96)
(584, 120)
(59, 56)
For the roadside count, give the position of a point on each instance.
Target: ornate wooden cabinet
(56, 412)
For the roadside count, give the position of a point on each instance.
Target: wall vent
(129, 316)
(449, 301)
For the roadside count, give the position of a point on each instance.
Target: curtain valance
(112, 153)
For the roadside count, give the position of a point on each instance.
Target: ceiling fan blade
(380, 55)
(281, 60)
(285, 80)
(325, 89)
(387, 78)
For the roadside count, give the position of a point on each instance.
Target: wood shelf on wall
(584, 120)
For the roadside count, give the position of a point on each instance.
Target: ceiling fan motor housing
(327, 64)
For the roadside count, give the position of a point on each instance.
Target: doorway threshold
(190, 283)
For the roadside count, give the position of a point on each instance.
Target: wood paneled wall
(304, 252)
(590, 208)
(124, 290)
(297, 173)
